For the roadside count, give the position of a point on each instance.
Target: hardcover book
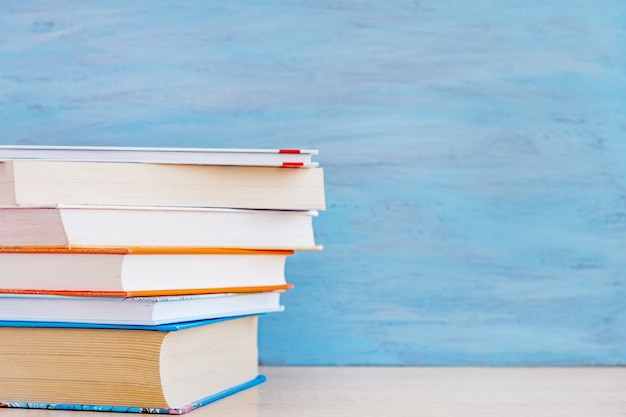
(147, 311)
(42, 182)
(125, 272)
(84, 226)
(169, 369)
(196, 156)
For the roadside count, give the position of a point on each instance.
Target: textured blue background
(475, 155)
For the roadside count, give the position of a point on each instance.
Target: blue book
(164, 369)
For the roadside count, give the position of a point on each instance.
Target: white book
(135, 310)
(200, 156)
(45, 182)
(127, 227)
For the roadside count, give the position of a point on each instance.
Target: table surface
(410, 391)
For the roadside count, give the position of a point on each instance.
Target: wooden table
(405, 391)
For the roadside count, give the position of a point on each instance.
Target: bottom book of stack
(169, 369)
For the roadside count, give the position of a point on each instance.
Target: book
(124, 272)
(170, 369)
(42, 182)
(143, 227)
(201, 156)
(135, 310)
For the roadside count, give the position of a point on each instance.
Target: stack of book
(132, 279)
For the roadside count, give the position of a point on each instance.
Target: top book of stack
(175, 177)
(293, 158)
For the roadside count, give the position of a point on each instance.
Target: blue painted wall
(475, 155)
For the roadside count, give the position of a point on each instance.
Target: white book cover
(293, 158)
(135, 310)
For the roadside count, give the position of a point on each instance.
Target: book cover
(144, 410)
(135, 310)
(151, 293)
(213, 156)
(169, 327)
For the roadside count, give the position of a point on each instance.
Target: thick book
(42, 182)
(141, 227)
(198, 156)
(149, 311)
(124, 272)
(170, 369)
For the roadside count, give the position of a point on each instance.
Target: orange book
(140, 271)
